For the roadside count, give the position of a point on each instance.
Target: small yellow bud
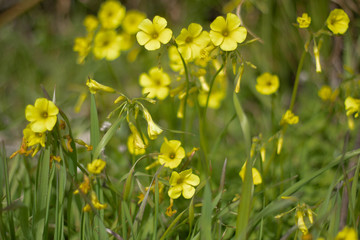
(317, 58)
(94, 86)
(153, 129)
(240, 73)
(279, 144)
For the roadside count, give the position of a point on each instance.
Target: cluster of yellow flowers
(111, 32)
(42, 117)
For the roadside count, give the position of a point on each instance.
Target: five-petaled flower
(153, 33)
(171, 153)
(107, 44)
(304, 21)
(347, 234)
(33, 138)
(132, 20)
(96, 166)
(338, 21)
(156, 83)
(227, 33)
(183, 183)
(43, 115)
(267, 84)
(192, 40)
(111, 14)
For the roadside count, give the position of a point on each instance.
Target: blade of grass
(60, 188)
(94, 123)
(156, 209)
(172, 225)
(206, 210)
(42, 186)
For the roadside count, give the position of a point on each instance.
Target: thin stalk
(297, 78)
(187, 78)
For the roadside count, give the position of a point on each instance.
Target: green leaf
(206, 212)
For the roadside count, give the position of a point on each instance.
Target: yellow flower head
(33, 138)
(289, 118)
(96, 166)
(338, 21)
(255, 174)
(107, 44)
(267, 84)
(175, 60)
(192, 40)
(111, 14)
(95, 202)
(153, 129)
(43, 115)
(156, 83)
(82, 47)
(347, 234)
(171, 153)
(84, 187)
(304, 21)
(325, 93)
(91, 23)
(183, 183)
(153, 33)
(131, 146)
(352, 105)
(94, 87)
(132, 20)
(227, 33)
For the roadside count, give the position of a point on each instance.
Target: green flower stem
(296, 84)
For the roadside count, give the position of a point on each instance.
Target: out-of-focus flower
(218, 92)
(317, 58)
(96, 166)
(267, 84)
(84, 187)
(325, 93)
(183, 183)
(347, 234)
(304, 21)
(153, 33)
(95, 202)
(156, 83)
(338, 21)
(82, 46)
(107, 44)
(111, 14)
(171, 153)
(352, 105)
(94, 87)
(91, 23)
(132, 20)
(289, 118)
(175, 60)
(227, 33)
(131, 146)
(43, 115)
(192, 40)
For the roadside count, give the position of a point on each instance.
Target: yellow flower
(91, 23)
(175, 60)
(127, 41)
(138, 142)
(171, 153)
(338, 21)
(33, 138)
(96, 166)
(111, 14)
(95, 202)
(267, 84)
(289, 118)
(347, 234)
(156, 83)
(299, 217)
(325, 93)
(82, 47)
(132, 20)
(183, 182)
(94, 87)
(84, 187)
(152, 129)
(192, 40)
(304, 21)
(317, 58)
(153, 33)
(107, 44)
(255, 174)
(352, 105)
(218, 92)
(227, 33)
(131, 146)
(43, 115)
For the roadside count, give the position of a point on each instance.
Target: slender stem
(296, 84)
(187, 78)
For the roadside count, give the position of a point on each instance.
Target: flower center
(38, 134)
(157, 82)
(225, 33)
(106, 43)
(44, 114)
(269, 83)
(188, 39)
(180, 181)
(155, 35)
(172, 155)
